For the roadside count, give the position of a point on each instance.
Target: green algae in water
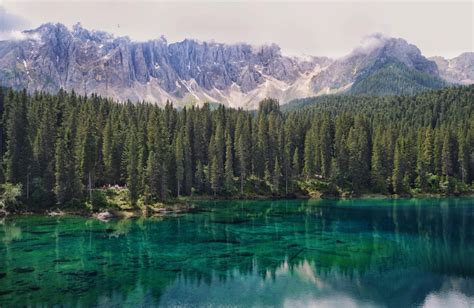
(396, 253)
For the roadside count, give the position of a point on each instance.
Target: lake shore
(185, 205)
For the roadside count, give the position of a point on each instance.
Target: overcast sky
(312, 27)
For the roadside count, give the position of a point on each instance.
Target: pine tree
(326, 147)
(200, 178)
(309, 154)
(378, 170)
(68, 182)
(88, 157)
(261, 149)
(107, 151)
(18, 154)
(295, 166)
(217, 160)
(340, 166)
(153, 175)
(215, 175)
(438, 152)
(242, 149)
(243, 158)
(464, 157)
(61, 188)
(359, 156)
(132, 167)
(398, 169)
(179, 158)
(44, 153)
(188, 164)
(229, 169)
(276, 177)
(424, 160)
(448, 154)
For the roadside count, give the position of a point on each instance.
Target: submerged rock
(64, 260)
(230, 222)
(244, 254)
(5, 292)
(56, 213)
(223, 241)
(83, 273)
(39, 232)
(20, 282)
(34, 288)
(20, 270)
(104, 216)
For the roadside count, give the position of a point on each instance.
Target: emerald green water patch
(396, 253)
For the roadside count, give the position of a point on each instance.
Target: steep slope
(457, 70)
(239, 75)
(380, 65)
(189, 71)
(392, 77)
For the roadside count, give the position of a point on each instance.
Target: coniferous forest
(64, 148)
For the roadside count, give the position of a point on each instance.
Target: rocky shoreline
(187, 206)
(107, 214)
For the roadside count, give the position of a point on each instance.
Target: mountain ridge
(52, 56)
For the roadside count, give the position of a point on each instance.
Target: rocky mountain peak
(53, 57)
(457, 70)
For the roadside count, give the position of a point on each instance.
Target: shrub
(317, 188)
(10, 197)
(99, 199)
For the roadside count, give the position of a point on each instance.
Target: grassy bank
(115, 201)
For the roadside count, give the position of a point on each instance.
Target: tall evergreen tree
(229, 169)
(295, 166)
(326, 146)
(276, 177)
(379, 166)
(448, 154)
(18, 154)
(399, 169)
(309, 154)
(88, 157)
(179, 158)
(133, 180)
(68, 182)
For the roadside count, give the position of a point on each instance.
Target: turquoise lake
(351, 253)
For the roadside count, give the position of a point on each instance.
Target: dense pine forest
(65, 149)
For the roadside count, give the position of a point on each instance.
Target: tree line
(61, 147)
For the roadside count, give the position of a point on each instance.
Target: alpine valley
(52, 57)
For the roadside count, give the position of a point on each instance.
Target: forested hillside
(395, 78)
(62, 148)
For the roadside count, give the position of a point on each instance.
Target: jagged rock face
(90, 61)
(375, 51)
(457, 70)
(238, 75)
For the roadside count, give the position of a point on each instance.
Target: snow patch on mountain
(51, 57)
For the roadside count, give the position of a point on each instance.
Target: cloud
(11, 22)
(11, 26)
(17, 36)
(370, 43)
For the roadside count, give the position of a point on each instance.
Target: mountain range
(52, 56)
